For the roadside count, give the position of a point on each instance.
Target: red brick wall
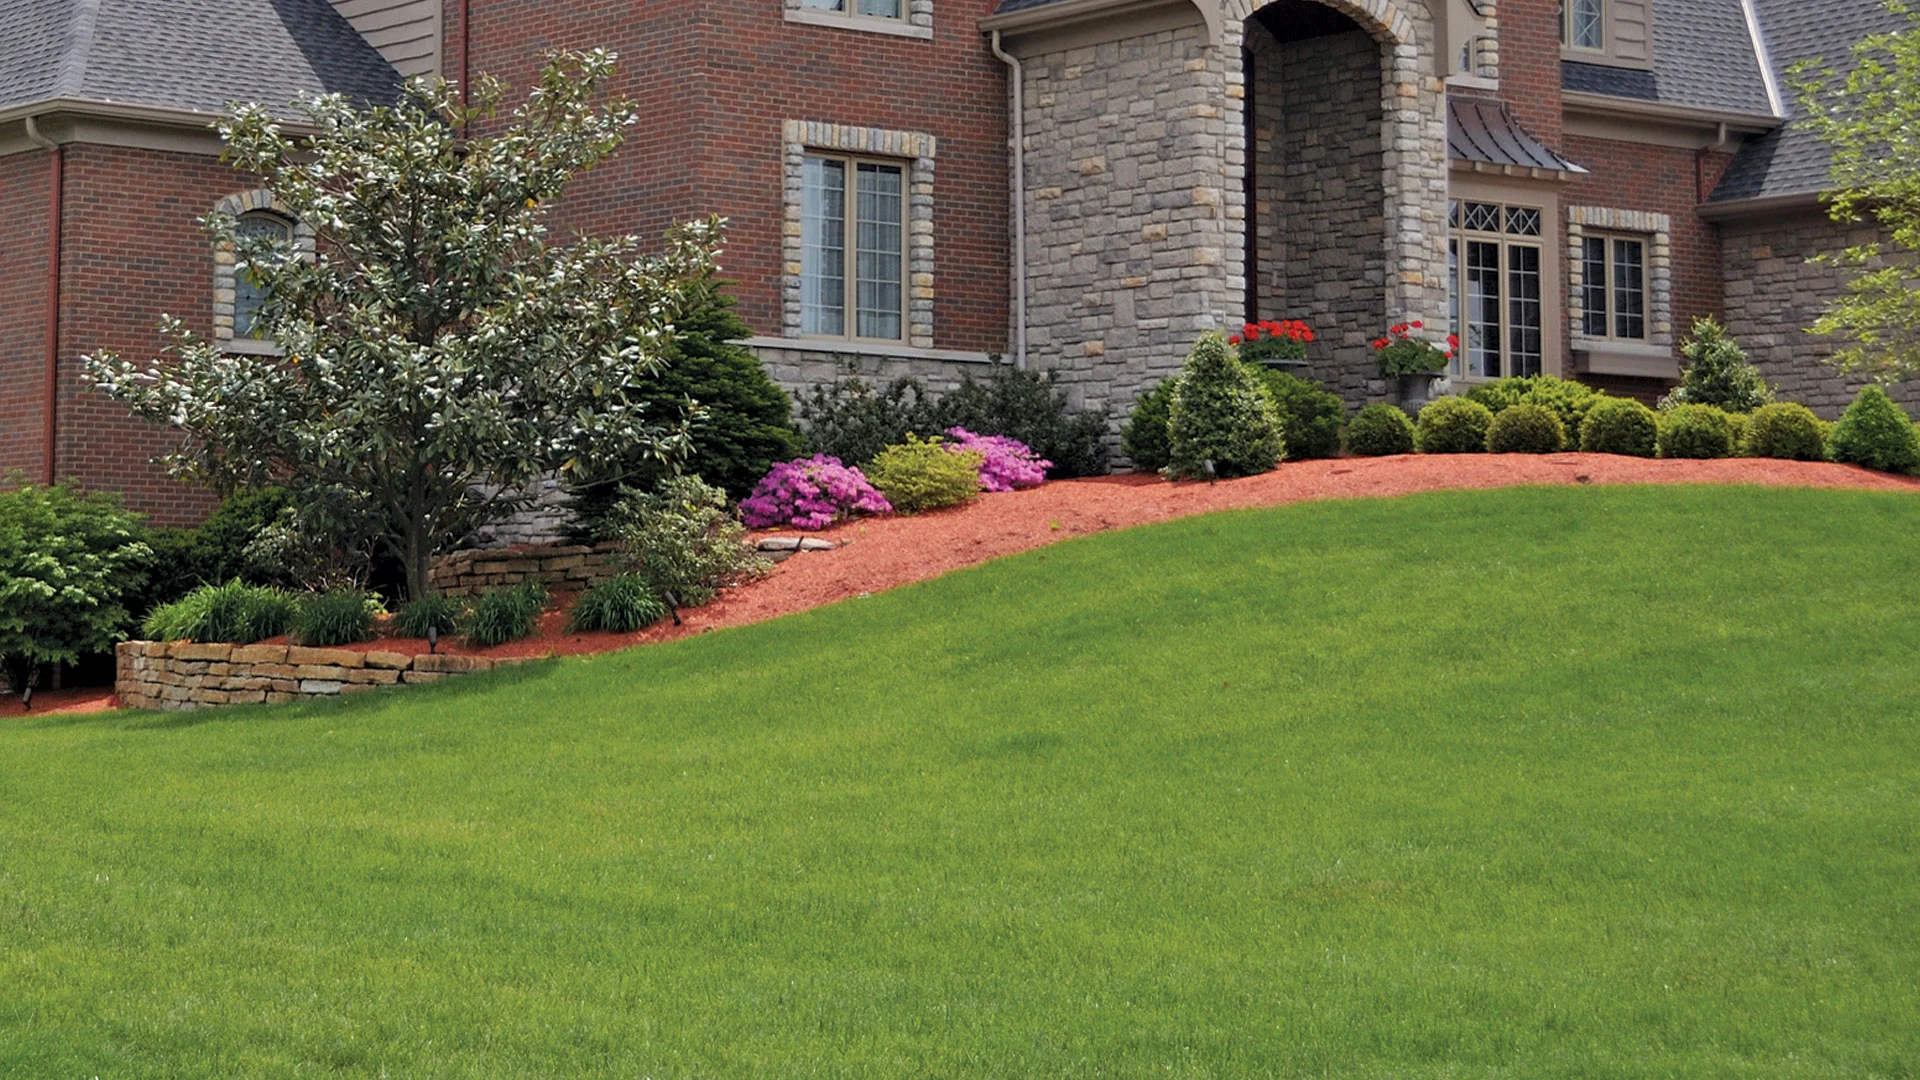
(1530, 65)
(25, 188)
(714, 81)
(134, 251)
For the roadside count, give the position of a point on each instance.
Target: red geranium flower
(1234, 340)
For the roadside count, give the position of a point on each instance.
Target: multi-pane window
(866, 9)
(1613, 287)
(1496, 265)
(853, 248)
(1583, 24)
(248, 294)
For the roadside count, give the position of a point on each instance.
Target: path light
(26, 695)
(433, 638)
(1211, 478)
(673, 605)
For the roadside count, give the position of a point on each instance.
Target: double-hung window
(1583, 24)
(1613, 289)
(1495, 272)
(853, 236)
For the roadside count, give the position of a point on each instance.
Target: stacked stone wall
(179, 676)
(565, 567)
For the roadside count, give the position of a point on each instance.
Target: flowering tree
(438, 353)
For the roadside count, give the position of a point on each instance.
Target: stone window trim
(224, 284)
(1483, 49)
(1658, 230)
(917, 24)
(916, 151)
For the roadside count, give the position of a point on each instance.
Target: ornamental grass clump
(1453, 425)
(619, 605)
(922, 474)
(505, 615)
(1526, 429)
(811, 493)
(1221, 422)
(1620, 426)
(1380, 431)
(683, 543)
(1786, 430)
(336, 617)
(1875, 433)
(1005, 464)
(434, 613)
(1696, 431)
(234, 613)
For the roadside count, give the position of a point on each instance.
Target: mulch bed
(886, 553)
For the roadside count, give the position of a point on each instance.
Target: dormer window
(1583, 24)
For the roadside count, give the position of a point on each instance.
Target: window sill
(890, 350)
(1627, 359)
(250, 347)
(865, 23)
(1472, 82)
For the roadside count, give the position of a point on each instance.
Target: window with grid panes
(1613, 288)
(1583, 24)
(853, 237)
(1495, 265)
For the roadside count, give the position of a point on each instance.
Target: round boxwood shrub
(1696, 431)
(1875, 433)
(1620, 426)
(1526, 429)
(1222, 422)
(1310, 414)
(1144, 438)
(1785, 430)
(1380, 431)
(1568, 400)
(1453, 425)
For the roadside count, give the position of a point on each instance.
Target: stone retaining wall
(567, 567)
(179, 676)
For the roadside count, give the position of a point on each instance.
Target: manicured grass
(1532, 783)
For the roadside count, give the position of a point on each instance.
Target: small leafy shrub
(1620, 426)
(1221, 417)
(505, 615)
(1005, 464)
(922, 474)
(1273, 342)
(618, 605)
(811, 493)
(684, 544)
(1785, 430)
(1526, 429)
(1380, 431)
(1144, 438)
(1875, 433)
(853, 421)
(68, 563)
(1717, 373)
(432, 612)
(1738, 422)
(1402, 352)
(1569, 400)
(214, 551)
(235, 612)
(1453, 425)
(1696, 431)
(1310, 415)
(1028, 407)
(337, 617)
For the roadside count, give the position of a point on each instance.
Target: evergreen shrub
(1875, 433)
(1526, 429)
(1380, 431)
(1620, 426)
(1696, 431)
(1453, 425)
(1220, 416)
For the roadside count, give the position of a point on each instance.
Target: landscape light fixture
(433, 638)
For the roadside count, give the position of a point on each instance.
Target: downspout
(1019, 202)
(51, 405)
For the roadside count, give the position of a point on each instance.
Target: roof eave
(1576, 102)
(1516, 172)
(1763, 206)
(1066, 13)
(165, 116)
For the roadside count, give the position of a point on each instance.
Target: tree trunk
(418, 557)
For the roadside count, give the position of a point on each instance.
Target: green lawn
(1531, 783)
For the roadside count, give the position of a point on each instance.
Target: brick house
(927, 187)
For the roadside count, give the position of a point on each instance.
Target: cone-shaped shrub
(1696, 431)
(1453, 425)
(1220, 414)
(1620, 426)
(1144, 437)
(1526, 429)
(1785, 430)
(1874, 432)
(1718, 373)
(1380, 431)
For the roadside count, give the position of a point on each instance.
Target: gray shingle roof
(1703, 58)
(185, 54)
(1791, 161)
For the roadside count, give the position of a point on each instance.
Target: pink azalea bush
(810, 493)
(1005, 464)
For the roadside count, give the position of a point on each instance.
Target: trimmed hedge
(1621, 426)
(1310, 414)
(1696, 431)
(1526, 429)
(1785, 430)
(1380, 431)
(1566, 399)
(1453, 425)
(1876, 433)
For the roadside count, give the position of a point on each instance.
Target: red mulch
(885, 553)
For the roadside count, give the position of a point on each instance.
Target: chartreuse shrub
(923, 474)
(1310, 414)
(1526, 429)
(1568, 400)
(336, 617)
(619, 605)
(1143, 439)
(1717, 373)
(432, 613)
(685, 545)
(234, 612)
(1620, 426)
(1875, 433)
(1380, 431)
(68, 562)
(1785, 430)
(1221, 422)
(1453, 425)
(505, 615)
(1696, 431)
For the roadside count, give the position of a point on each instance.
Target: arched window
(248, 293)
(237, 296)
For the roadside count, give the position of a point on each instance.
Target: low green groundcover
(1583, 782)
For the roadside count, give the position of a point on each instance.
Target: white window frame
(1458, 237)
(225, 283)
(914, 21)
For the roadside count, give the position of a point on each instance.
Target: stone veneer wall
(1773, 294)
(564, 566)
(798, 368)
(179, 676)
(1319, 198)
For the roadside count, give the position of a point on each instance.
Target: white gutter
(1765, 56)
(1019, 150)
